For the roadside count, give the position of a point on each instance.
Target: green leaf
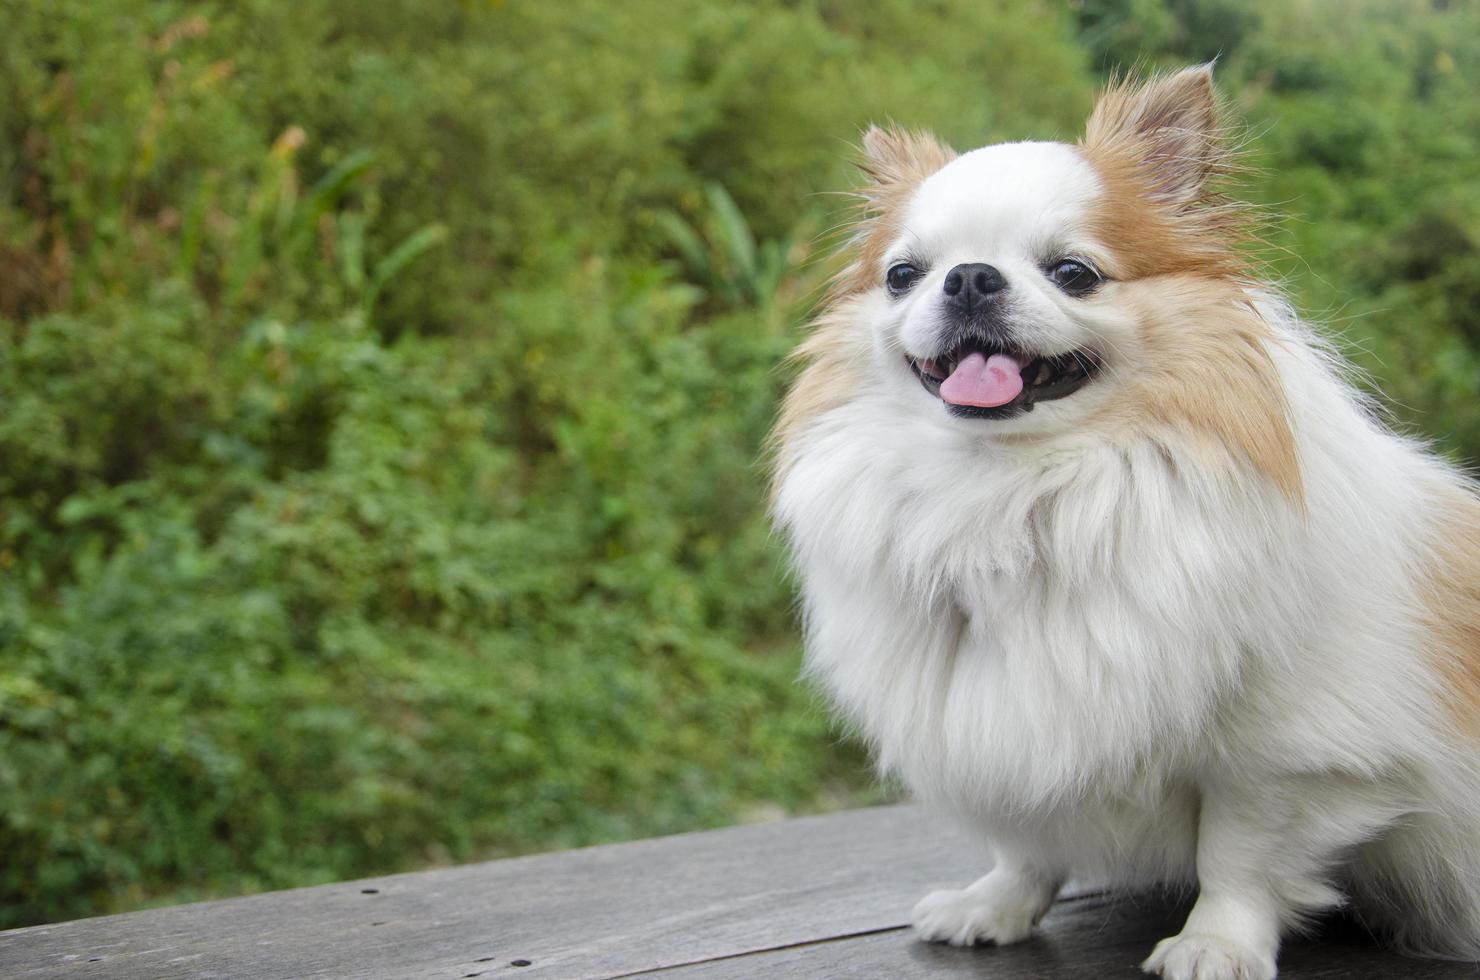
(412, 247)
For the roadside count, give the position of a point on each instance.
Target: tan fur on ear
(895, 163)
(1169, 125)
(897, 160)
(1160, 149)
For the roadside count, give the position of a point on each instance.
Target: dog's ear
(896, 161)
(1168, 128)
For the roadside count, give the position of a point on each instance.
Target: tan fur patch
(832, 355)
(895, 162)
(1174, 240)
(1451, 592)
(1203, 366)
(1159, 149)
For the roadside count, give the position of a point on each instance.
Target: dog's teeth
(1043, 372)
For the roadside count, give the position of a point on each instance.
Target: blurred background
(383, 388)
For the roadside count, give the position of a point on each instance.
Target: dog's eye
(1073, 277)
(901, 276)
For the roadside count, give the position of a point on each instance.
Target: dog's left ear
(1167, 128)
(897, 161)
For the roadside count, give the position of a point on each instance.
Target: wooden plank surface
(1095, 937)
(596, 912)
(816, 897)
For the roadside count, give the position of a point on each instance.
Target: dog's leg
(1002, 907)
(1263, 859)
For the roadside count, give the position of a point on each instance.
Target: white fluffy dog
(1104, 555)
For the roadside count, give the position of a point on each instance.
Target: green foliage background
(382, 388)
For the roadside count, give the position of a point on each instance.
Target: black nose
(971, 284)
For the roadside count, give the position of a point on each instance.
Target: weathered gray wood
(1095, 936)
(596, 912)
(816, 897)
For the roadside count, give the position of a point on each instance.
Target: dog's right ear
(896, 161)
(1167, 128)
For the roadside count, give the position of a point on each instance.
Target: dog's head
(1032, 288)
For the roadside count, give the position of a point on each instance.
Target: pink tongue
(983, 382)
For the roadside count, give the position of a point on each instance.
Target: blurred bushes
(381, 394)
(382, 387)
(1373, 144)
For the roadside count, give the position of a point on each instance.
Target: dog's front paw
(967, 917)
(1203, 956)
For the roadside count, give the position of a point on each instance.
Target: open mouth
(976, 381)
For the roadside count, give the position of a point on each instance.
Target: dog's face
(993, 293)
(1037, 288)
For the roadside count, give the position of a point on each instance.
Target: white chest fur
(1029, 636)
(1017, 631)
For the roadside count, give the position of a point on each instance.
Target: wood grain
(1096, 936)
(596, 912)
(815, 897)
